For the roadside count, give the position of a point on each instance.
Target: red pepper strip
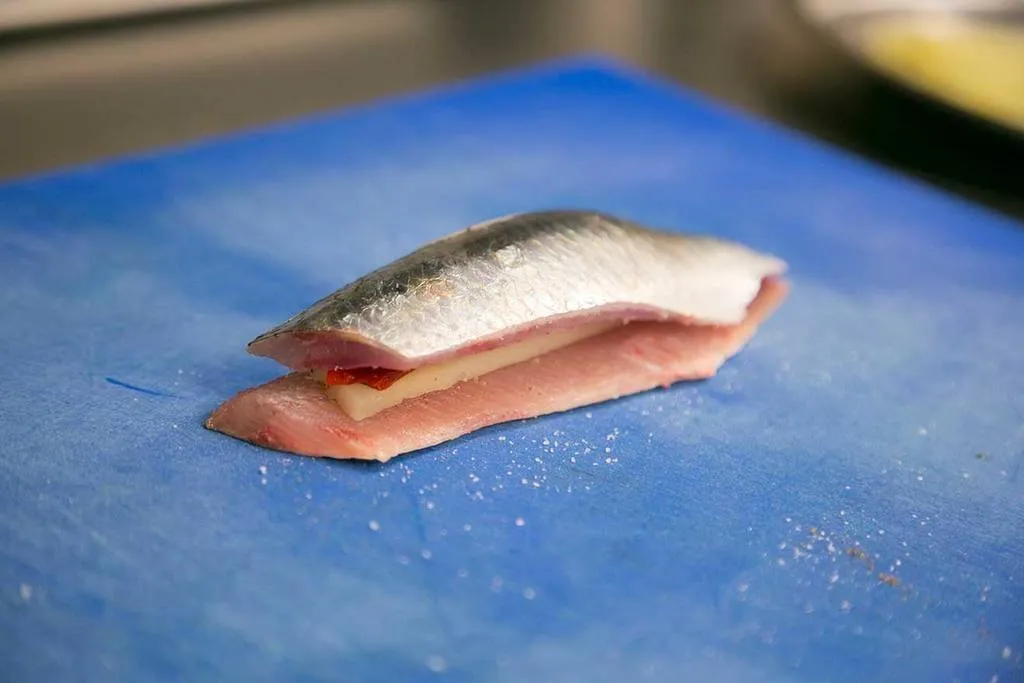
(376, 378)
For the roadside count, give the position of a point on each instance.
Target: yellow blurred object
(975, 65)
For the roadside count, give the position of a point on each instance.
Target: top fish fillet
(508, 277)
(517, 317)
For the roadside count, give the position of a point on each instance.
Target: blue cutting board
(843, 502)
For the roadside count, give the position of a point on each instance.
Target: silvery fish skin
(518, 271)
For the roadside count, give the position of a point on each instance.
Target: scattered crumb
(467, 527)
(529, 593)
(309, 496)
(1007, 652)
(859, 554)
(263, 481)
(845, 605)
(520, 521)
(981, 455)
(374, 525)
(426, 554)
(263, 470)
(436, 663)
(430, 505)
(25, 591)
(462, 573)
(889, 579)
(402, 559)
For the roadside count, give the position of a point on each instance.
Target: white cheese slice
(360, 401)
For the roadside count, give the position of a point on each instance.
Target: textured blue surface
(701, 533)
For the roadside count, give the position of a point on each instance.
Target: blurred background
(82, 80)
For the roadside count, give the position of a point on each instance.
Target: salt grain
(520, 521)
(374, 525)
(529, 593)
(25, 591)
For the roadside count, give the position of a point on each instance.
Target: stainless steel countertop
(79, 94)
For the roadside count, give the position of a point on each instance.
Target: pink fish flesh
(294, 414)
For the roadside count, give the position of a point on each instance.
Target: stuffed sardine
(517, 317)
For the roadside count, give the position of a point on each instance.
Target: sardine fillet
(504, 279)
(294, 414)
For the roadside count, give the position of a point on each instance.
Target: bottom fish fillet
(294, 414)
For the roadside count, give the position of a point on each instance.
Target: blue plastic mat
(843, 502)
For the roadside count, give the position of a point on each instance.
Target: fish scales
(520, 270)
